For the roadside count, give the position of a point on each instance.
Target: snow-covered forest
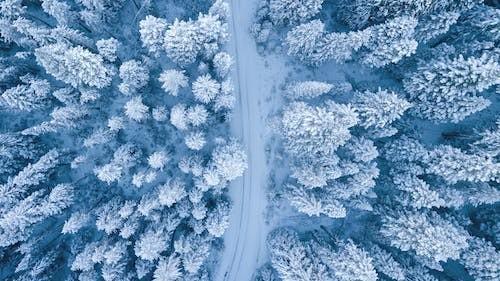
(249, 140)
(394, 162)
(114, 145)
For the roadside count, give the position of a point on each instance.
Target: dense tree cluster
(403, 169)
(113, 164)
(331, 146)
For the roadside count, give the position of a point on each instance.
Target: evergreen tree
(108, 48)
(293, 11)
(222, 63)
(97, 13)
(15, 149)
(307, 89)
(229, 160)
(74, 65)
(429, 235)
(349, 263)
(171, 192)
(173, 80)
(193, 250)
(185, 40)
(152, 30)
(390, 42)
(444, 90)
(150, 244)
(291, 258)
(454, 165)
(31, 175)
(65, 117)
(123, 159)
(178, 116)
(489, 142)
(435, 25)
(136, 110)
(341, 46)
(12, 8)
(168, 269)
(61, 11)
(75, 222)
(314, 202)
(303, 41)
(15, 223)
(195, 140)
(134, 77)
(386, 264)
(379, 109)
(27, 97)
(197, 115)
(482, 260)
(217, 220)
(312, 130)
(158, 160)
(205, 89)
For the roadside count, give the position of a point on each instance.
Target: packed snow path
(244, 241)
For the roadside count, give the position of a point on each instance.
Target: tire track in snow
(244, 238)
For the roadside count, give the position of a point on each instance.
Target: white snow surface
(255, 77)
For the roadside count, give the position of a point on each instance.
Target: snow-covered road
(245, 247)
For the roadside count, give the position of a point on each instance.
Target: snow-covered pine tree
(60, 10)
(32, 95)
(315, 202)
(304, 40)
(15, 222)
(291, 258)
(293, 11)
(74, 65)
(222, 64)
(390, 42)
(229, 160)
(307, 89)
(481, 260)
(168, 269)
(193, 250)
(173, 80)
(150, 244)
(435, 25)
(65, 117)
(349, 262)
(426, 233)
(31, 175)
(379, 109)
(15, 150)
(108, 48)
(195, 140)
(136, 110)
(445, 89)
(217, 220)
(454, 165)
(134, 76)
(152, 30)
(341, 46)
(384, 263)
(360, 13)
(123, 159)
(98, 13)
(171, 192)
(185, 40)
(205, 89)
(311, 130)
(489, 142)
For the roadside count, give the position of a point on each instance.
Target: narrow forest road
(245, 245)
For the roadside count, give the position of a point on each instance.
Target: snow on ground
(255, 77)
